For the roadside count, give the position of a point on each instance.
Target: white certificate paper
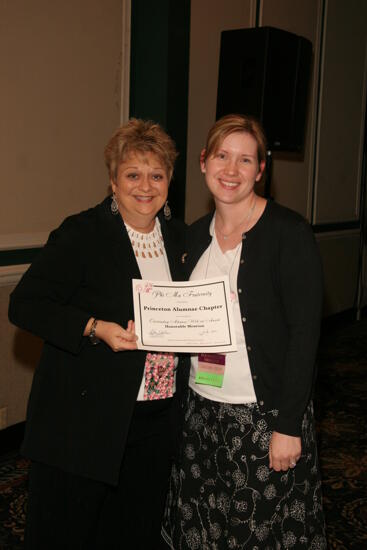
(185, 316)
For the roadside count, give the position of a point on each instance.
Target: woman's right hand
(117, 338)
(112, 334)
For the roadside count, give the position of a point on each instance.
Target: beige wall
(60, 101)
(324, 183)
(62, 68)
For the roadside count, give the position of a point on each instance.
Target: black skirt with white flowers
(223, 494)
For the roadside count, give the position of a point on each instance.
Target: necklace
(146, 245)
(244, 221)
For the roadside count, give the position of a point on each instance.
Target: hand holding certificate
(192, 316)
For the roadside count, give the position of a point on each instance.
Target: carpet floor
(341, 412)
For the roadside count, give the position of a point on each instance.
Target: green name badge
(211, 367)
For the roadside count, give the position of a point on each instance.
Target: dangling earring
(167, 211)
(114, 205)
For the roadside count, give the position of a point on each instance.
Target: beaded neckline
(146, 245)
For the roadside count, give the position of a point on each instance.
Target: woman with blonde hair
(99, 432)
(248, 473)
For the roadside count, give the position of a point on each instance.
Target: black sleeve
(42, 301)
(301, 292)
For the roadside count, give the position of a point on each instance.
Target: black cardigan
(280, 294)
(83, 396)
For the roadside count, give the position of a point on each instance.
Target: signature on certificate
(156, 333)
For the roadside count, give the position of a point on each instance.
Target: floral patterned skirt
(223, 494)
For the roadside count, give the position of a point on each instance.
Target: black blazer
(83, 396)
(280, 294)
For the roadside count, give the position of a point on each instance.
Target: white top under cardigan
(237, 383)
(153, 265)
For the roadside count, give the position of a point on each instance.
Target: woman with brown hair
(248, 473)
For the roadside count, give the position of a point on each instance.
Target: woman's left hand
(284, 451)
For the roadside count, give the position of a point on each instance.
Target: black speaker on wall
(264, 72)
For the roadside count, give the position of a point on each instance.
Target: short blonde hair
(139, 137)
(229, 124)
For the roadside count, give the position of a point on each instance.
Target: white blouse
(237, 382)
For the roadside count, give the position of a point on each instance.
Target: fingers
(130, 326)
(124, 344)
(116, 337)
(127, 335)
(284, 452)
(281, 466)
(126, 340)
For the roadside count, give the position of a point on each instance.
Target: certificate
(186, 316)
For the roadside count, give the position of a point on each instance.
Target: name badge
(211, 367)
